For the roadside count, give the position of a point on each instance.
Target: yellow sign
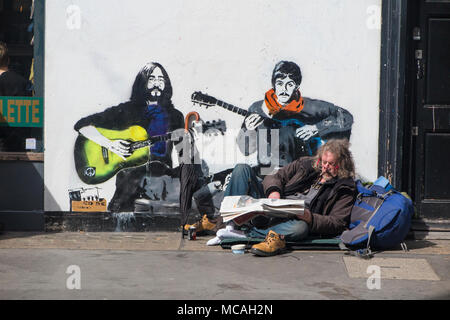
(89, 206)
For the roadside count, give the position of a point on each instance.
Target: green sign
(21, 112)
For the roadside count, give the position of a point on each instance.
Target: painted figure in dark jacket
(150, 107)
(307, 123)
(302, 124)
(326, 184)
(320, 121)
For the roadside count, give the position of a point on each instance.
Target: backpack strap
(404, 247)
(383, 198)
(366, 253)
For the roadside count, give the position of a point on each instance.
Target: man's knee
(242, 169)
(298, 230)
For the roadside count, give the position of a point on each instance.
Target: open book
(241, 209)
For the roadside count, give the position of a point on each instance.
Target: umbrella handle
(188, 116)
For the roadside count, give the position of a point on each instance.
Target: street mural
(136, 141)
(301, 124)
(117, 140)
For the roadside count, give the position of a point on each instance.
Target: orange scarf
(274, 107)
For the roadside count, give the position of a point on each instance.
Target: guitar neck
(219, 125)
(272, 123)
(141, 144)
(232, 108)
(268, 121)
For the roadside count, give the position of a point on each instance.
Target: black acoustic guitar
(309, 146)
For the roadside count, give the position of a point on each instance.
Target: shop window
(21, 113)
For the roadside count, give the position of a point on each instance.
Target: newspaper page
(241, 209)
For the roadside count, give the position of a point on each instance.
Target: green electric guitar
(96, 164)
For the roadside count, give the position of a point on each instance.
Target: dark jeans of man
(194, 185)
(191, 182)
(244, 181)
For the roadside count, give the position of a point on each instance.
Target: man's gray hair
(344, 159)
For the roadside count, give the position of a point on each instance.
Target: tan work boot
(204, 226)
(273, 244)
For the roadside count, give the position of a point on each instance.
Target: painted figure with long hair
(150, 107)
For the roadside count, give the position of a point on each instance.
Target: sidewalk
(160, 265)
(159, 241)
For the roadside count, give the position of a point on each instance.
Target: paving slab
(391, 268)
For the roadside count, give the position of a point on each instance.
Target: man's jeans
(293, 230)
(244, 181)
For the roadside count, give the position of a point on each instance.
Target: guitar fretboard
(141, 144)
(268, 121)
(220, 125)
(232, 108)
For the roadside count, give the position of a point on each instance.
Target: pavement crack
(181, 246)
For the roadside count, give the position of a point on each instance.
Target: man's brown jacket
(299, 176)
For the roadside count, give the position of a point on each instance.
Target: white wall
(228, 49)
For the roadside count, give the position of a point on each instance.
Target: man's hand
(306, 216)
(226, 182)
(274, 195)
(306, 132)
(253, 121)
(120, 147)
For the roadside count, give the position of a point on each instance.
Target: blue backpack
(380, 219)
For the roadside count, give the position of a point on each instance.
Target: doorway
(427, 140)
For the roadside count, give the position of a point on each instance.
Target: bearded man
(325, 183)
(151, 108)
